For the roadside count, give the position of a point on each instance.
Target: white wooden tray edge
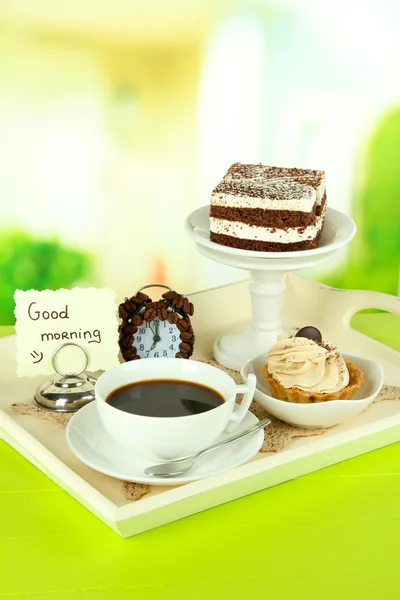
(179, 502)
(256, 481)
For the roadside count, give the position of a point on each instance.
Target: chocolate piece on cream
(310, 332)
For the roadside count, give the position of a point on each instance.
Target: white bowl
(321, 414)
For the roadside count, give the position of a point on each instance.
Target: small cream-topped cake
(304, 370)
(262, 208)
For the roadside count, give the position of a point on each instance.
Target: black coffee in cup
(165, 398)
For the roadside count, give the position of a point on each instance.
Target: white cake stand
(267, 270)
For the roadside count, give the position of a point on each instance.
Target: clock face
(157, 339)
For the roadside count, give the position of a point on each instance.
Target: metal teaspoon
(182, 465)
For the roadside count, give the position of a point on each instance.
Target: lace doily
(276, 436)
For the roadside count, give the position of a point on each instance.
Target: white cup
(167, 438)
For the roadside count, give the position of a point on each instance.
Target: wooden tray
(305, 302)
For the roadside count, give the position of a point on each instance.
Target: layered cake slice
(270, 209)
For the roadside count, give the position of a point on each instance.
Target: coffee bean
(150, 314)
(191, 309)
(140, 298)
(137, 320)
(178, 302)
(129, 353)
(186, 305)
(185, 347)
(127, 341)
(181, 355)
(172, 318)
(310, 332)
(186, 336)
(169, 295)
(182, 325)
(131, 329)
(163, 314)
(123, 313)
(136, 357)
(129, 305)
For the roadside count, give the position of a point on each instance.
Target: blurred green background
(373, 262)
(27, 262)
(117, 120)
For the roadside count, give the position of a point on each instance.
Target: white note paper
(47, 319)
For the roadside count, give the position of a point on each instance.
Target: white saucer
(90, 443)
(338, 230)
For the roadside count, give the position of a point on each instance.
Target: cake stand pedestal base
(266, 292)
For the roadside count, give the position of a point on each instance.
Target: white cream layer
(244, 231)
(303, 203)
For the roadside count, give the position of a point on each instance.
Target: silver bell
(66, 392)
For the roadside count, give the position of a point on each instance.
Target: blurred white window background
(120, 120)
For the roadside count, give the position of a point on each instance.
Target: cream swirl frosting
(302, 363)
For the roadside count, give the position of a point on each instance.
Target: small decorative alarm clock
(156, 329)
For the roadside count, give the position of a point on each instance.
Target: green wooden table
(333, 534)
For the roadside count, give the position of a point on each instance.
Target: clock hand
(156, 337)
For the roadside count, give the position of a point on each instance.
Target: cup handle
(239, 412)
